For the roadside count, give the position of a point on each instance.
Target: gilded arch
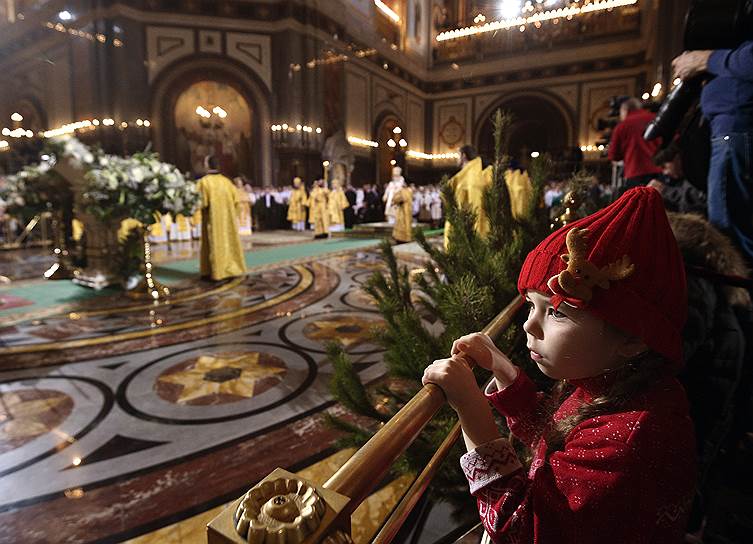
(180, 75)
(561, 117)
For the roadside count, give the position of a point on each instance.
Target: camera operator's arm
(691, 63)
(737, 63)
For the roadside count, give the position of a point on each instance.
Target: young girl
(615, 461)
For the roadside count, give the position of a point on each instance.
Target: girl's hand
(456, 379)
(479, 347)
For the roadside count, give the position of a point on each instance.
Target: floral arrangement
(115, 188)
(31, 191)
(78, 154)
(138, 186)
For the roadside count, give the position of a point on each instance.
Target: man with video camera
(627, 144)
(727, 103)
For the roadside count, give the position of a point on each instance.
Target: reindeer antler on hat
(581, 276)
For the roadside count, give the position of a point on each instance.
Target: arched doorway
(538, 124)
(387, 156)
(33, 115)
(212, 104)
(213, 118)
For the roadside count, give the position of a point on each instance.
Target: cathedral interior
(140, 397)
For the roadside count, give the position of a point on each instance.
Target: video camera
(606, 125)
(709, 24)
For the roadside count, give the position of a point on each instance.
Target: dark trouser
(638, 181)
(730, 198)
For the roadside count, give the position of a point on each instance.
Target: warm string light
(332, 59)
(91, 124)
(98, 38)
(599, 147)
(354, 140)
(17, 133)
(432, 156)
(384, 8)
(521, 22)
(361, 53)
(4, 145)
(313, 63)
(67, 129)
(297, 128)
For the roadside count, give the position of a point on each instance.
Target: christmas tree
(463, 288)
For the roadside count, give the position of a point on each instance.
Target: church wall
(48, 83)
(57, 99)
(457, 119)
(381, 94)
(371, 97)
(299, 97)
(439, 109)
(72, 79)
(243, 60)
(128, 91)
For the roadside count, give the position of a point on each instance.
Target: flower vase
(148, 287)
(63, 268)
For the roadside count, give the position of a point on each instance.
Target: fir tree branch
(346, 385)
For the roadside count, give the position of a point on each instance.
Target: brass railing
(359, 476)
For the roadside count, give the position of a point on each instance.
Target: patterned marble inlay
(26, 414)
(129, 418)
(220, 378)
(350, 330)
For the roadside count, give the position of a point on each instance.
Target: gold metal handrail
(400, 513)
(363, 471)
(355, 480)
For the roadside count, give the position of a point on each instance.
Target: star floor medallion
(220, 378)
(349, 330)
(28, 413)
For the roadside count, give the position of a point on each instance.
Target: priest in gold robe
(318, 209)
(468, 185)
(521, 191)
(221, 251)
(402, 205)
(244, 208)
(297, 205)
(337, 203)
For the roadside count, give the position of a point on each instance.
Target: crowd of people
(347, 206)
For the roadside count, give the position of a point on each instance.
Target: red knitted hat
(623, 265)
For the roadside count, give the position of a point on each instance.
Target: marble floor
(30, 263)
(119, 419)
